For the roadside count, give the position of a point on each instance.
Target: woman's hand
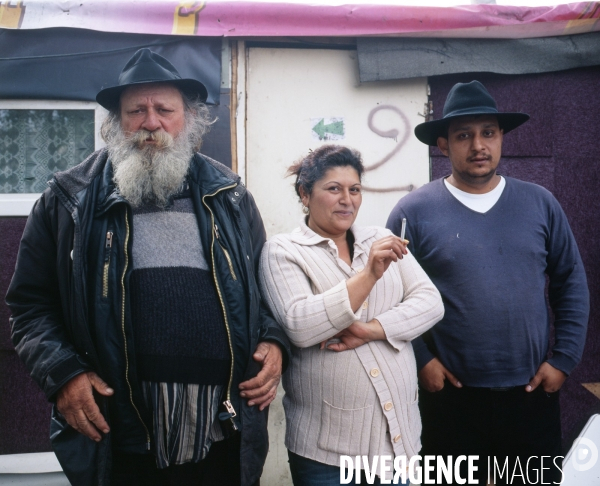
(382, 253)
(357, 334)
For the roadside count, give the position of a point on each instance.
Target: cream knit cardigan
(357, 402)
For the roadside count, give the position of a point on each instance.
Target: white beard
(146, 173)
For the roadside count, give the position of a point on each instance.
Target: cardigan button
(388, 406)
(397, 438)
(365, 304)
(374, 372)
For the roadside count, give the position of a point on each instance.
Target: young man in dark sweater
(488, 242)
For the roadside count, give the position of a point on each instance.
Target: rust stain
(580, 26)
(593, 388)
(11, 16)
(186, 18)
(592, 10)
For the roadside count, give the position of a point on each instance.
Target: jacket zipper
(107, 248)
(229, 262)
(63, 197)
(227, 403)
(123, 331)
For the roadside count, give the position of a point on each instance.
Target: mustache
(480, 156)
(161, 138)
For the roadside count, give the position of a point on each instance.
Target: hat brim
(109, 97)
(429, 132)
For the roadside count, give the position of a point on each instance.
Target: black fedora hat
(467, 99)
(149, 67)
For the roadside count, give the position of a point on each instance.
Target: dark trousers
(221, 467)
(509, 429)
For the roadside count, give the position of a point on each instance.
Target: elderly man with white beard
(134, 301)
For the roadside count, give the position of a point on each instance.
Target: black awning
(74, 64)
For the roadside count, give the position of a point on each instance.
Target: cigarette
(403, 230)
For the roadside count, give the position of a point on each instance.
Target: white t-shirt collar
(480, 203)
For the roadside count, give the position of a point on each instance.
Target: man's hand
(433, 374)
(261, 389)
(75, 401)
(550, 378)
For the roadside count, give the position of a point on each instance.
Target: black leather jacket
(70, 304)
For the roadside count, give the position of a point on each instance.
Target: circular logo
(585, 454)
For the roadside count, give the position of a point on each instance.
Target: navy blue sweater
(491, 271)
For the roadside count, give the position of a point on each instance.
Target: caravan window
(37, 139)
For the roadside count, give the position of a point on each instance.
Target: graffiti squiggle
(393, 133)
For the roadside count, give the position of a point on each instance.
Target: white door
(299, 99)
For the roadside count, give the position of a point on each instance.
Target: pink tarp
(252, 19)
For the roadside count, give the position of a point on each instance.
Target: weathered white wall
(285, 91)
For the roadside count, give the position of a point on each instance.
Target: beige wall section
(289, 89)
(281, 95)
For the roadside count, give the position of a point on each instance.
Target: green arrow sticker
(327, 128)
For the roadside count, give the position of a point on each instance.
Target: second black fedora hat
(145, 67)
(467, 99)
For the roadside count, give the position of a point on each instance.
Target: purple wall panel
(578, 194)
(11, 230)
(24, 410)
(558, 149)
